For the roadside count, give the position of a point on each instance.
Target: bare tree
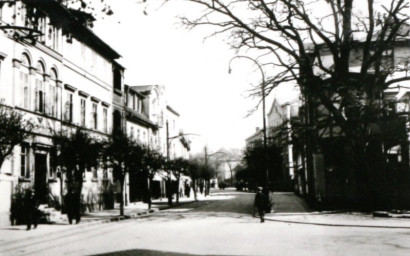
(336, 53)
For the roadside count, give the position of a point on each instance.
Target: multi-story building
(325, 174)
(63, 78)
(279, 134)
(139, 104)
(150, 121)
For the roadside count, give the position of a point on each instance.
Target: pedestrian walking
(260, 204)
(72, 205)
(187, 189)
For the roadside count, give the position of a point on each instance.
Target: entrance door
(40, 178)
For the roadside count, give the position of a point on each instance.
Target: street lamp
(263, 107)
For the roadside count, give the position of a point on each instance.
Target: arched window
(25, 81)
(54, 94)
(40, 95)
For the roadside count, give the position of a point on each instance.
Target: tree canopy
(14, 129)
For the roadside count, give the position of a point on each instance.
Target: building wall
(55, 70)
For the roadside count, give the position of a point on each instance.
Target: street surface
(222, 225)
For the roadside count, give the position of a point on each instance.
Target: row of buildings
(316, 154)
(60, 75)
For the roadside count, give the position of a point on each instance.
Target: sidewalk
(132, 210)
(10, 235)
(289, 208)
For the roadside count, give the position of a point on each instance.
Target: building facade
(325, 175)
(63, 79)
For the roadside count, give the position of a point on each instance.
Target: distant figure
(187, 189)
(260, 204)
(201, 187)
(30, 209)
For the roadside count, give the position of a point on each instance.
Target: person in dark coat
(260, 204)
(72, 207)
(187, 189)
(30, 209)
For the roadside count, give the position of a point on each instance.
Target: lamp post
(265, 146)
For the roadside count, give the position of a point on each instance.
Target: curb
(335, 225)
(391, 215)
(131, 215)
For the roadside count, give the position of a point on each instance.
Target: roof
(73, 23)
(172, 110)
(136, 117)
(132, 89)
(142, 88)
(255, 135)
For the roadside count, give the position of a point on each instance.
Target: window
(139, 105)
(130, 101)
(42, 27)
(54, 37)
(24, 82)
(40, 95)
(54, 95)
(82, 111)
(68, 111)
(117, 79)
(95, 116)
(105, 120)
(132, 132)
(387, 61)
(24, 161)
(25, 89)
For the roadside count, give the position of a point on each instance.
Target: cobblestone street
(217, 225)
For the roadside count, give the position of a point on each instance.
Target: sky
(156, 49)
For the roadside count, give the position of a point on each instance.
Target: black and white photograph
(205, 127)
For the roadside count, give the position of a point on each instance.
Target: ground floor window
(24, 161)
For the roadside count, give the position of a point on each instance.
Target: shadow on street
(149, 253)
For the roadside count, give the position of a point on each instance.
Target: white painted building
(63, 81)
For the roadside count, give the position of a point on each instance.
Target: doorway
(40, 178)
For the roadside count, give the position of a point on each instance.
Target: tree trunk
(178, 177)
(149, 191)
(168, 191)
(78, 204)
(207, 186)
(122, 196)
(194, 188)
